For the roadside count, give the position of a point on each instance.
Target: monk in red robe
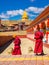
(38, 43)
(17, 49)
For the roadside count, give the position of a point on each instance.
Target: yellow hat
(14, 36)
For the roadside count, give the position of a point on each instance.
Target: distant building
(18, 24)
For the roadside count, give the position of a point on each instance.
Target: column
(47, 30)
(38, 27)
(42, 26)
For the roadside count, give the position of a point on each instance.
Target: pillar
(42, 26)
(47, 30)
(38, 27)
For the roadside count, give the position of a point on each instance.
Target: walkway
(24, 60)
(27, 57)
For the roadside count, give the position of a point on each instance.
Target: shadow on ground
(2, 48)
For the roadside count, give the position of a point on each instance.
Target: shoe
(41, 54)
(36, 54)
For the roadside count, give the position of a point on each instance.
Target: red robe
(17, 49)
(39, 43)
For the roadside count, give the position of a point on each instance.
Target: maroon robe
(17, 49)
(38, 43)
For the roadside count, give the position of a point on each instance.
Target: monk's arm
(37, 37)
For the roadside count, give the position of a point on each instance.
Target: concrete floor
(26, 45)
(27, 57)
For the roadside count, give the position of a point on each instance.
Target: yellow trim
(21, 59)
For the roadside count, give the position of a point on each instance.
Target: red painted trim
(47, 32)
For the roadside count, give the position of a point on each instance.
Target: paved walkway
(24, 60)
(27, 57)
(26, 45)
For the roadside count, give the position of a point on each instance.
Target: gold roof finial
(25, 16)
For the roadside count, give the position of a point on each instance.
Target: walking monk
(38, 43)
(17, 49)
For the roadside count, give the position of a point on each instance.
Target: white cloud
(34, 9)
(46, 6)
(5, 19)
(15, 12)
(2, 15)
(11, 13)
(31, 15)
(21, 12)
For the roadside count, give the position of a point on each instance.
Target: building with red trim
(42, 23)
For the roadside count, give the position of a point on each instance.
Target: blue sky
(13, 9)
